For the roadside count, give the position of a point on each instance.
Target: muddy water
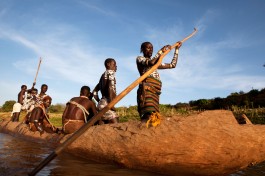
(19, 157)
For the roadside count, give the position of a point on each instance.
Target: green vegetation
(252, 104)
(8, 106)
(256, 116)
(252, 99)
(131, 113)
(56, 119)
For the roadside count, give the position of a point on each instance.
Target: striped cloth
(148, 96)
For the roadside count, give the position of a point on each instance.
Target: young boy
(17, 106)
(107, 87)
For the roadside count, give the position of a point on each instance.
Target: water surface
(20, 157)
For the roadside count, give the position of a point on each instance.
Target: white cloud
(71, 58)
(97, 8)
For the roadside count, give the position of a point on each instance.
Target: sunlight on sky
(75, 37)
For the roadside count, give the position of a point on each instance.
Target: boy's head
(44, 88)
(147, 49)
(47, 101)
(24, 87)
(34, 91)
(110, 64)
(85, 91)
(144, 45)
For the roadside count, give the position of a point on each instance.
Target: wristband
(156, 56)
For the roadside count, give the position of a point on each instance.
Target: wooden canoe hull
(207, 143)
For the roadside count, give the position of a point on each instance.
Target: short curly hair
(143, 45)
(47, 97)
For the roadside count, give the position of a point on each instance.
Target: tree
(241, 92)
(218, 103)
(8, 106)
(203, 103)
(58, 108)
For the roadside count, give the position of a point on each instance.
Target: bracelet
(160, 52)
(156, 56)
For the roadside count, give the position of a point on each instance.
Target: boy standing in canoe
(107, 87)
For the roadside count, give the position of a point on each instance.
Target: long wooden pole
(37, 72)
(96, 117)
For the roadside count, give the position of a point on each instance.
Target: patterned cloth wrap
(110, 114)
(148, 96)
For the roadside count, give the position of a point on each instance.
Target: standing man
(17, 106)
(150, 89)
(78, 111)
(107, 87)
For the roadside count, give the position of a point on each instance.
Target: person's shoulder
(75, 98)
(80, 99)
(84, 102)
(91, 104)
(140, 58)
(22, 92)
(37, 108)
(90, 101)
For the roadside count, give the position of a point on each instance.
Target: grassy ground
(55, 118)
(125, 114)
(256, 116)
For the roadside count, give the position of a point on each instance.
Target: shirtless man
(39, 119)
(107, 87)
(17, 106)
(78, 111)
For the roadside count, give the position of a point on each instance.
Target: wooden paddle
(37, 72)
(96, 117)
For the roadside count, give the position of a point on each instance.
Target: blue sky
(74, 37)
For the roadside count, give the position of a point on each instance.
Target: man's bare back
(78, 111)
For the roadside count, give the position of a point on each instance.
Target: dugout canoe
(207, 143)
